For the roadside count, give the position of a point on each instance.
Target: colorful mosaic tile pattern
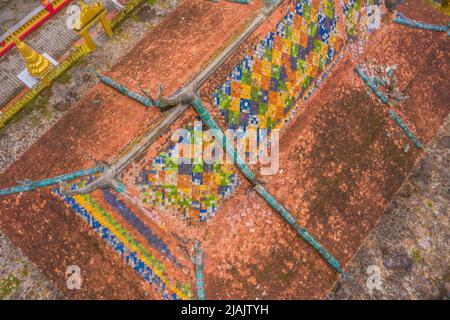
(136, 254)
(194, 189)
(134, 221)
(351, 9)
(355, 16)
(262, 90)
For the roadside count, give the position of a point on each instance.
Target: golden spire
(37, 64)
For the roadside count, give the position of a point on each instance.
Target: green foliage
(64, 78)
(444, 7)
(416, 255)
(8, 286)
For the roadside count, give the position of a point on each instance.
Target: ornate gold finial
(89, 12)
(37, 64)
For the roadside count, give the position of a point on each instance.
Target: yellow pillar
(105, 24)
(91, 14)
(88, 39)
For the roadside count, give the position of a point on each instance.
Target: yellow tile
(256, 79)
(276, 57)
(295, 38)
(266, 69)
(316, 59)
(287, 44)
(324, 50)
(235, 105)
(245, 91)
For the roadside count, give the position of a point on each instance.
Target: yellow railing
(10, 111)
(123, 14)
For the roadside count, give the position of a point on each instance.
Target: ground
(342, 162)
(13, 11)
(409, 242)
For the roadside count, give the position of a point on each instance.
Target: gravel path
(12, 11)
(19, 279)
(406, 256)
